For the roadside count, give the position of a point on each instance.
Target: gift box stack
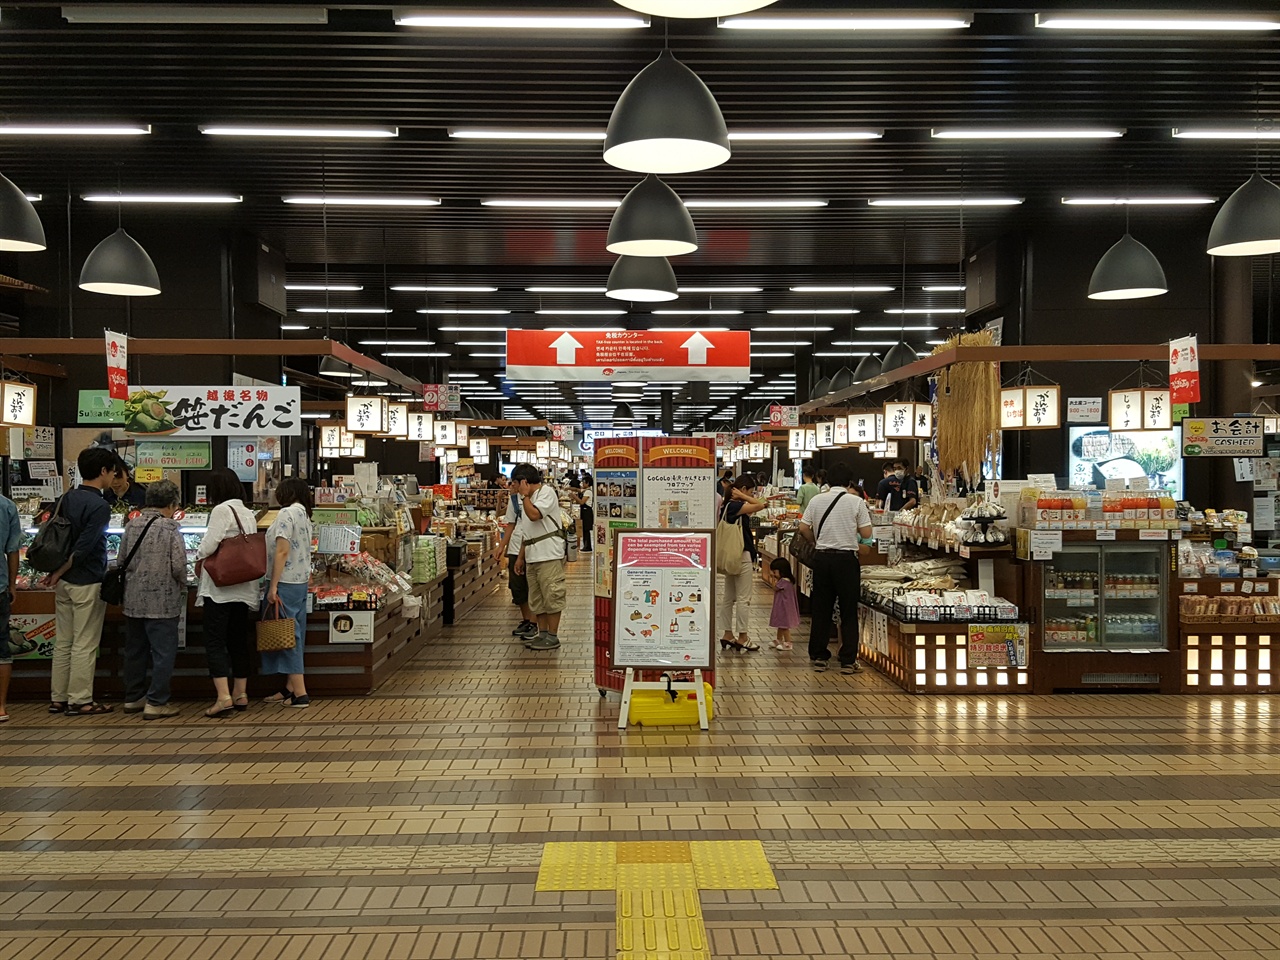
(429, 560)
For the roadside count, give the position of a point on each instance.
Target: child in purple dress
(786, 609)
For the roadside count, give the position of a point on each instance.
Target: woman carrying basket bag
(289, 569)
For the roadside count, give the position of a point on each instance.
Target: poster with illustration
(617, 480)
(663, 599)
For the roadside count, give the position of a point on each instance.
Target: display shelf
(1229, 658)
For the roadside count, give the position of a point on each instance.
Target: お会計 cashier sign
(629, 354)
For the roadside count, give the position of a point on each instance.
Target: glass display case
(28, 578)
(1111, 597)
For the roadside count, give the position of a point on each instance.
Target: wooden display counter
(1221, 657)
(466, 586)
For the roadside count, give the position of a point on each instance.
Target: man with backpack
(79, 610)
(542, 553)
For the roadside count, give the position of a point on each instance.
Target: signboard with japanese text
(441, 397)
(865, 427)
(1084, 410)
(422, 427)
(628, 354)
(663, 610)
(38, 443)
(96, 407)
(214, 411)
(899, 420)
(175, 454)
(117, 365)
(341, 539)
(1184, 370)
(351, 626)
(784, 416)
(997, 645)
(242, 458)
(19, 403)
(617, 501)
(1043, 407)
(1222, 437)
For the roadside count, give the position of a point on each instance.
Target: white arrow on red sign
(697, 345)
(566, 349)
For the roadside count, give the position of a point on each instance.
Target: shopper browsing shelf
(226, 609)
(542, 553)
(79, 610)
(289, 572)
(588, 514)
(10, 537)
(517, 583)
(155, 595)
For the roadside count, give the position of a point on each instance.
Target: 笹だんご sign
(629, 354)
(214, 411)
(1223, 437)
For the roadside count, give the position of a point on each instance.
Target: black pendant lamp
(333, 367)
(652, 221)
(821, 389)
(899, 355)
(20, 228)
(623, 415)
(842, 380)
(1128, 271)
(119, 266)
(666, 121)
(1248, 225)
(691, 9)
(642, 280)
(867, 368)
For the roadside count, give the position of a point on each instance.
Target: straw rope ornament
(967, 419)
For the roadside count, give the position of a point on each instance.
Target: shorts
(517, 582)
(546, 586)
(6, 652)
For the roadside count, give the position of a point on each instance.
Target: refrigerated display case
(1106, 598)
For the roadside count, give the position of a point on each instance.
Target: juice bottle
(1080, 507)
(1169, 509)
(1130, 508)
(1112, 511)
(1155, 513)
(1042, 511)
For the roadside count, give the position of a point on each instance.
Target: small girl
(786, 609)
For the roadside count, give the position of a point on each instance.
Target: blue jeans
(6, 653)
(154, 642)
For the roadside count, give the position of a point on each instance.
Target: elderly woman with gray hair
(155, 593)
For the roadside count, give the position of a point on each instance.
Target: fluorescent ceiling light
(783, 343)
(368, 383)
(793, 329)
(502, 354)
(74, 129)
(342, 310)
(696, 313)
(525, 133)
(897, 20)
(34, 197)
(845, 289)
(472, 329)
(404, 353)
(554, 134)
(765, 353)
(456, 312)
(397, 343)
(409, 288)
(553, 203)
(514, 20)
(822, 312)
(333, 287)
(946, 202)
(576, 203)
(698, 328)
(1135, 202)
(581, 313)
(891, 329)
(1027, 133)
(924, 310)
(479, 343)
(337, 201)
(464, 376)
(294, 326)
(945, 288)
(720, 289)
(161, 198)
(798, 135)
(841, 353)
(273, 130)
(565, 289)
(278, 13)
(753, 204)
(863, 343)
(1155, 21)
(318, 416)
(1225, 133)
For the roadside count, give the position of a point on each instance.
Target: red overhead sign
(628, 355)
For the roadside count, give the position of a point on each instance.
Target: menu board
(663, 609)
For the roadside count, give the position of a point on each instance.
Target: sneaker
(528, 631)
(544, 642)
(135, 706)
(819, 666)
(522, 629)
(153, 712)
(848, 668)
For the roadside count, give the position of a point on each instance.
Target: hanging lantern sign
(357, 448)
(462, 434)
(446, 433)
(1043, 406)
(1157, 412)
(899, 420)
(1125, 410)
(826, 434)
(810, 438)
(330, 439)
(19, 404)
(1013, 408)
(398, 421)
(923, 421)
(863, 427)
(422, 427)
(542, 449)
(479, 447)
(842, 431)
(367, 414)
(795, 439)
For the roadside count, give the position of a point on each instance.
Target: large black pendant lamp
(119, 266)
(623, 416)
(867, 369)
(20, 228)
(652, 221)
(666, 121)
(1128, 271)
(842, 380)
(821, 389)
(691, 9)
(642, 280)
(1248, 225)
(899, 355)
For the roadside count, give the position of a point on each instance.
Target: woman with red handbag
(227, 639)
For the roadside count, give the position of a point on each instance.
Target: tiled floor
(414, 824)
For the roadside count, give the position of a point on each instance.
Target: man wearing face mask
(897, 491)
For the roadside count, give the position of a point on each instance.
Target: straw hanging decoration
(968, 410)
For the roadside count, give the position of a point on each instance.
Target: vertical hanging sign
(1184, 370)
(117, 365)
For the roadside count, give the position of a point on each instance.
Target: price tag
(1227, 588)
(1045, 543)
(1043, 481)
(1246, 586)
(1262, 587)
(964, 551)
(1191, 588)
(1105, 534)
(1175, 534)
(1153, 534)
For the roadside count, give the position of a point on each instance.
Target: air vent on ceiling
(1122, 679)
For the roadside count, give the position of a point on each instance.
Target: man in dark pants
(839, 519)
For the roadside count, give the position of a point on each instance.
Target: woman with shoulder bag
(734, 610)
(289, 567)
(226, 608)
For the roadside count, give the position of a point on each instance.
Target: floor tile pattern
(483, 805)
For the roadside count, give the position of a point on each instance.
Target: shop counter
(467, 585)
(1228, 653)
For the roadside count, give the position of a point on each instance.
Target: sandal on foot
(88, 709)
(218, 710)
(280, 697)
(57, 707)
(241, 703)
(4, 717)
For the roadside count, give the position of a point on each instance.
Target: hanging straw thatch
(968, 410)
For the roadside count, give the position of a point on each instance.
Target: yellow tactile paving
(642, 876)
(654, 851)
(732, 865)
(578, 866)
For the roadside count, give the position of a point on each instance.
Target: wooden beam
(37, 368)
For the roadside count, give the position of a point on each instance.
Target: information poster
(663, 601)
(31, 635)
(679, 483)
(997, 645)
(338, 539)
(351, 626)
(617, 479)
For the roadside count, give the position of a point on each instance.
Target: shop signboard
(784, 416)
(1222, 437)
(38, 443)
(188, 411)
(997, 645)
(97, 407)
(664, 603)
(441, 397)
(1084, 410)
(117, 365)
(175, 454)
(1184, 370)
(628, 354)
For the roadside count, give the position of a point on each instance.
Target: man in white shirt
(517, 583)
(839, 520)
(586, 498)
(542, 553)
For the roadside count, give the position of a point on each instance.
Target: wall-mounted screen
(1097, 455)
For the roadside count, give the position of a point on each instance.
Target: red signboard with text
(628, 354)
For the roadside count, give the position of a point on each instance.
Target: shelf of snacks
(953, 526)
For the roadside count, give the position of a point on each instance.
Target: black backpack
(53, 543)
